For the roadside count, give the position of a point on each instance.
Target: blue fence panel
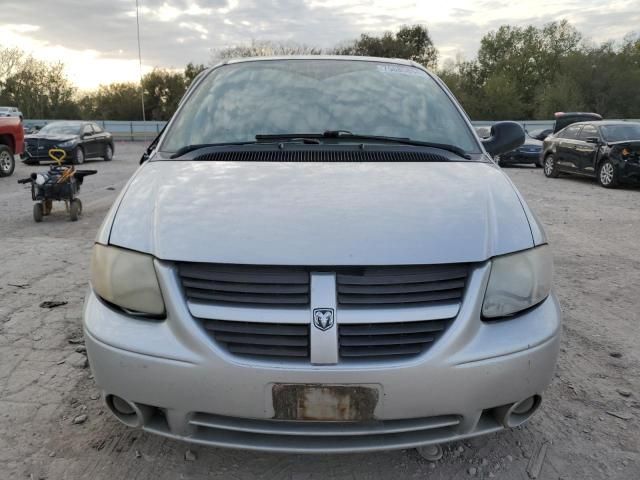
(121, 129)
(146, 131)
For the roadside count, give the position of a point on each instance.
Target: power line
(140, 58)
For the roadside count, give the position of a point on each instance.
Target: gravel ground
(53, 425)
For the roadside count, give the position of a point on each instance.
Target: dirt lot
(589, 423)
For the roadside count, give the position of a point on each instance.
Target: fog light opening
(131, 414)
(516, 414)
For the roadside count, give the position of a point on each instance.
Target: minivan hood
(348, 213)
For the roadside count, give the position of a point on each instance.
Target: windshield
(239, 101)
(618, 133)
(61, 129)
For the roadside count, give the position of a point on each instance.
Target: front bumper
(204, 395)
(629, 172)
(521, 157)
(43, 155)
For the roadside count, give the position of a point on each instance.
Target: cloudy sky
(96, 39)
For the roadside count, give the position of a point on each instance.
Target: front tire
(78, 156)
(608, 175)
(7, 161)
(37, 212)
(75, 209)
(550, 167)
(108, 153)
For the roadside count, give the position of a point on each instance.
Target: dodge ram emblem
(323, 318)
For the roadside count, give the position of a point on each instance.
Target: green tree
(191, 71)
(409, 42)
(163, 90)
(38, 88)
(464, 78)
(116, 101)
(527, 57)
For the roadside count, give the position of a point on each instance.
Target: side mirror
(595, 140)
(504, 137)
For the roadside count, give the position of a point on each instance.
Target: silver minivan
(319, 255)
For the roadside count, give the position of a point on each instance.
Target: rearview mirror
(504, 137)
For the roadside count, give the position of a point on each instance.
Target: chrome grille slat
(275, 340)
(248, 328)
(376, 340)
(253, 298)
(408, 274)
(268, 351)
(415, 297)
(285, 340)
(245, 273)
(369, 329)
(420, 284)
(381, 351)
(402, 287)
(245, 284)
(245, 287)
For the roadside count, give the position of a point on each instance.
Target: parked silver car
(319, 255)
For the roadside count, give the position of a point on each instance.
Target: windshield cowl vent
(321, 156)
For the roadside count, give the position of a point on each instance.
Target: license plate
(348, 403)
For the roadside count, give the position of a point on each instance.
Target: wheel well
(600, 161)
(8, 141)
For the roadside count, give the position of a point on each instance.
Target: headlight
(126, 279)
(67, 144)
(518, 281)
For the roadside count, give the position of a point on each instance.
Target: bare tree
(263, 48)
(10, 59)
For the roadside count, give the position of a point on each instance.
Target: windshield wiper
(190, 148)
(347, 135)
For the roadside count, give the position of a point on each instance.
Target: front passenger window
(589, 131)
(571, 132)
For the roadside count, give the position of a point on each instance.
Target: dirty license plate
(324, 402)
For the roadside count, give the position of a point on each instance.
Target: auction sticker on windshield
(400, 69)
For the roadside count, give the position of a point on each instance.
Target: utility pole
(140, 58)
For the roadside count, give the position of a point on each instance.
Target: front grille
(245, 284)
(425, 284)
(372, 340)
(252, 339)
(264, 312)
(32, 146)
